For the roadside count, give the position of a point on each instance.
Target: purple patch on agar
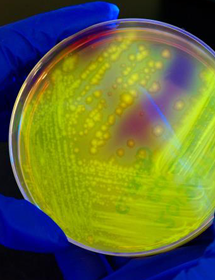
(181, 71)
(177, 80)
(135, 124)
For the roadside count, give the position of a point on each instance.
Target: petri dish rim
(13, 153)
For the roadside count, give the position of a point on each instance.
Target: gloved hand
(22, 225)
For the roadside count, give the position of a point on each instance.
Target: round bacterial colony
(117, 139)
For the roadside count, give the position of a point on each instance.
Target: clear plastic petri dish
(113, 136)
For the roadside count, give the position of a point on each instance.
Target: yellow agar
(105, 188)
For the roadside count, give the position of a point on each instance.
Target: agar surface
(117, 143)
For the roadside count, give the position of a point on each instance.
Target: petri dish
(113, 136)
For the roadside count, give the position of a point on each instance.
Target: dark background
(197, 17)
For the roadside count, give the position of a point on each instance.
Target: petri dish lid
(112, 136)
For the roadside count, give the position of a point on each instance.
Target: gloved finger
(148, 267)
(78, 263)
(24, 227)
(200, 270)
(23, 43)
(167, 265)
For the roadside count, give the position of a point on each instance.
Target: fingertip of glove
(112, 9)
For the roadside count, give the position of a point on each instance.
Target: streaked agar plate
(113, 136)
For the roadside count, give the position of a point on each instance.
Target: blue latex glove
(22, 225)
